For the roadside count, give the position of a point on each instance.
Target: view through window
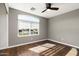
(28, 25)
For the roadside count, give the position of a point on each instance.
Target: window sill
(27, 35)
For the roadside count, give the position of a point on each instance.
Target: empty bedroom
(39, 29)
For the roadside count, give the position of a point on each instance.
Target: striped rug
(41, 48)
(52, 51)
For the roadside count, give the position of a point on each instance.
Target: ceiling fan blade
(54, 8)
(43, 10)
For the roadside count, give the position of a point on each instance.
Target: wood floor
(24, 50)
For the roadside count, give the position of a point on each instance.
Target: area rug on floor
(48, 49)
(48, 45)
(41, 48)
(72, 52)
(38, 49)
(52, 51)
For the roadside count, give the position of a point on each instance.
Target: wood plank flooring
(53, 51)
(24, 50)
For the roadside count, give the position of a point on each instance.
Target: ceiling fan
(48, 6)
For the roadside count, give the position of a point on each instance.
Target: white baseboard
(22, 44)
(39, 41)
(64, 43)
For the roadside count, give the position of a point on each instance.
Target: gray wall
(3, 27)
(14, 39)
(65, 28)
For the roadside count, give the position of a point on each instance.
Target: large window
(27, 25)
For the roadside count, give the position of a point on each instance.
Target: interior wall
(3, 27)
(13, 29)
(65, 28)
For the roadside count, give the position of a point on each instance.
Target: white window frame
(30, 28)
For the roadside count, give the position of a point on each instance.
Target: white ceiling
(63, 8)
